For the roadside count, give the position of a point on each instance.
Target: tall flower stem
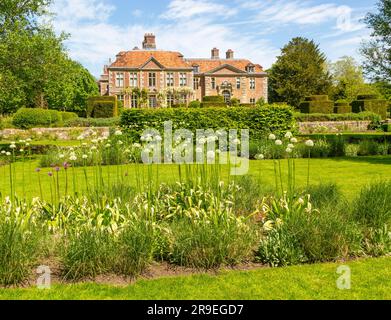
(308, 168)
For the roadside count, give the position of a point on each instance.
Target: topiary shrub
(374, 105)
(67, 116)
(195, 104)
(26, 118)
(102, 107)
(215, 99)
(317, 104)
(342, 106)
(367, 97)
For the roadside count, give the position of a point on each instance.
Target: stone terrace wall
(54, 133)
(333, 126)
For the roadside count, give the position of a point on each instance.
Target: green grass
(370, 279)
(350, 174)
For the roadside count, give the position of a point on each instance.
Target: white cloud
(184, 9)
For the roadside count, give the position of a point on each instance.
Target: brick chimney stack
(149, 42)
(215, 53)
(229, 54)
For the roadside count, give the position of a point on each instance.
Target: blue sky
(254, 29)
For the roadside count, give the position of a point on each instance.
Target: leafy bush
(26, 118)
(368, 147)
(195, 104)
(102, 107)
(93, 122)
(213, 99)
(337, 145)
(67, 116)
(259, 120)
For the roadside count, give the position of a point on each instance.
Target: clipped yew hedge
(371, 103)
(317, 104)
(259, 120)
(102, 107)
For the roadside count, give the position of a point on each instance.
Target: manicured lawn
(350, 174)
(370, 279)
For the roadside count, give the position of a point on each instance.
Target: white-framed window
(133, 79)
(119, 79)
(237, 83)
(152, 101)
(252, 83)
(213, 83)
(252, 100)
(183, 98)
(170, 79)
(152, 79)
(196, 83)
(120, 97)
(134, 101)
(183, 79)
(170, 100)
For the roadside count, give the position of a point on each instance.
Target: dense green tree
(377, 51)
(348, 80)
(35, 70)
(299, 71)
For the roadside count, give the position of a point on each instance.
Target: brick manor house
(167, 78)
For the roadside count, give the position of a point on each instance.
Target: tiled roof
(137, 58)
(206, 65)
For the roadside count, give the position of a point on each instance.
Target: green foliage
(377, 106)
(342, 107)
(26, 118)
(317, 104)
(102, 107)
(214, 99)
(68, 116)
(376, 50)
(304, 117)
(300, 71)
(259, 120)
(195, 104)
(235, 102)
(93, 122)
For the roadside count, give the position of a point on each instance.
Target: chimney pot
(215, 53)
(229, 54)
(149, 42)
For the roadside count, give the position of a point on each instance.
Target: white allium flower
(28, 139)
(260, 156)
(293, 140)
(61, 156)
(73, 158)
(80, 137)
(290, 145)
(278, 142)
(93, 148)
(288, 135)
(272, 136)
(8, 153)
(309, 143)
(236, 141)
(12, 146)
(210, 154)
(288, 150)
(3, 152)
(21, 150)
(118, 133)
(120, 142)
(84, 156)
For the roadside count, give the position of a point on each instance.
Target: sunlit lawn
(350, 174)
(370, 279)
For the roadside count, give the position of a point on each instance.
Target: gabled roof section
(152, 63)
(208, 65)
(139, 58)
(225, 66)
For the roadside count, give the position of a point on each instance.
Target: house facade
(149, 77)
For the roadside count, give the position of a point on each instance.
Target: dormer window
(196, 69)
(250, 68)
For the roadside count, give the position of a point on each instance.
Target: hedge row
(93, 122)
(26, 118)
(361, 116)
(102, 107)
(259, 120)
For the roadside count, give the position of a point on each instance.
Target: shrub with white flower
(278, 142)
(118, 133)
(293, 140)
(309, 143)
(288, 135)
(272, 136)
